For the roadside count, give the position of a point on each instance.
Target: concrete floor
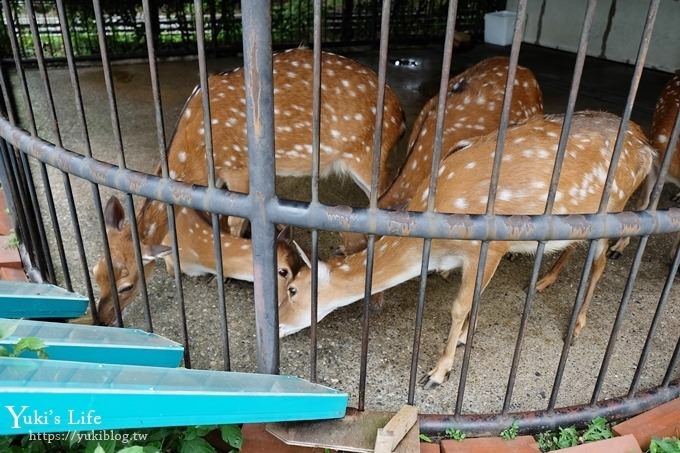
(605, 87)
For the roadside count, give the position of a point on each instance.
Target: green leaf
(133, 449)
(99, 449)
(568, 437)
(510, 432)
(232, 435)
(598, 429)
(152, 449)
(7, 327)
(4, 352)
(425, 438)
(194, 432)
(666, 445)
(198, 445)
(28, 344)
(455, 434)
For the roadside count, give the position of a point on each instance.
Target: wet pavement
(604, 87)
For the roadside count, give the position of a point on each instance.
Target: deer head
(126, 272)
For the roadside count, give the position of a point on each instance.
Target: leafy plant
(598, 429)
(510, 432)
(666, 445)
(425, 438)
(455, 434)
(13, 239)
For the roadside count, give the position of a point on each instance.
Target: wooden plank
(356, 432)
(411, 441)
(394, 431)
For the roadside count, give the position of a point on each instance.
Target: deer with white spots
(348, 97)
(195, 247)
(526, 170)
(349, 92)
(473, 108)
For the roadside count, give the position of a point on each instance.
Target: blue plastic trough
(58, 396)
(36, 300)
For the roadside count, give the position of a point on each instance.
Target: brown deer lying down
(473, 108)
(197, 257)
(349, 93)
(462, 187)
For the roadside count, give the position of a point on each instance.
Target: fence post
(257, 59)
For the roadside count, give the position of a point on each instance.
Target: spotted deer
(473, 108)
(348, 95)
(462, 187)
(195, 247)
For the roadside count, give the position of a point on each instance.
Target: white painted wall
(562, 21)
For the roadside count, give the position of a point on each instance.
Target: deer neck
(396, 260)
(197, 250)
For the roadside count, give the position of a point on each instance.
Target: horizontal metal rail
(345, 218)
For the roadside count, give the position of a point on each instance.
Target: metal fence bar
(663, 301)
(652, 205)
(65, 176)
(495, 174)
(210, 161)
(394, 223)
(260, 127)
(25, 167)
(436, 153)
(316, 147)
(373, 195)
(604, 201)
(557, 169)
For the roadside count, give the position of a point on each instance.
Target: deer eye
(283, 272)
(125, 288)
(292, 290)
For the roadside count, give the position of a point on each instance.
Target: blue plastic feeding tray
(58, 396)
(96, 344)
(37, 300)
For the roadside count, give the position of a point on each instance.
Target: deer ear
(114, 215)
(302, 254)
(284, 233)
(153, 252)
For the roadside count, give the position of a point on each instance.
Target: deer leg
(548, 279)
(643, 197)
(597, 271)
(460, 310)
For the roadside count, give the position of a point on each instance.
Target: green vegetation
(598, 429)
(666, 445)
(510, 432)
(455, 434)
(425, 438)
(159, 440)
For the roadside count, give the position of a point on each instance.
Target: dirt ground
(605, 86)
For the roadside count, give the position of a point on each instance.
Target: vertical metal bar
(479, 278)
(57, 133)
(257, 44)
(78, 101)
(635, 82)
(663, 300)
(436, 153)
(507, 102)
(316, 144)
(653, 203)
(373, 203)
(51, 276)
(672, 364)
(210, 160)
(580, 295)
(557, 169)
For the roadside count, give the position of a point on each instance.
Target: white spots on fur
(182, 156)
(471, 165)
(460, 203)
(661, 138)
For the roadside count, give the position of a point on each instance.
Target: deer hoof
(613, 254)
